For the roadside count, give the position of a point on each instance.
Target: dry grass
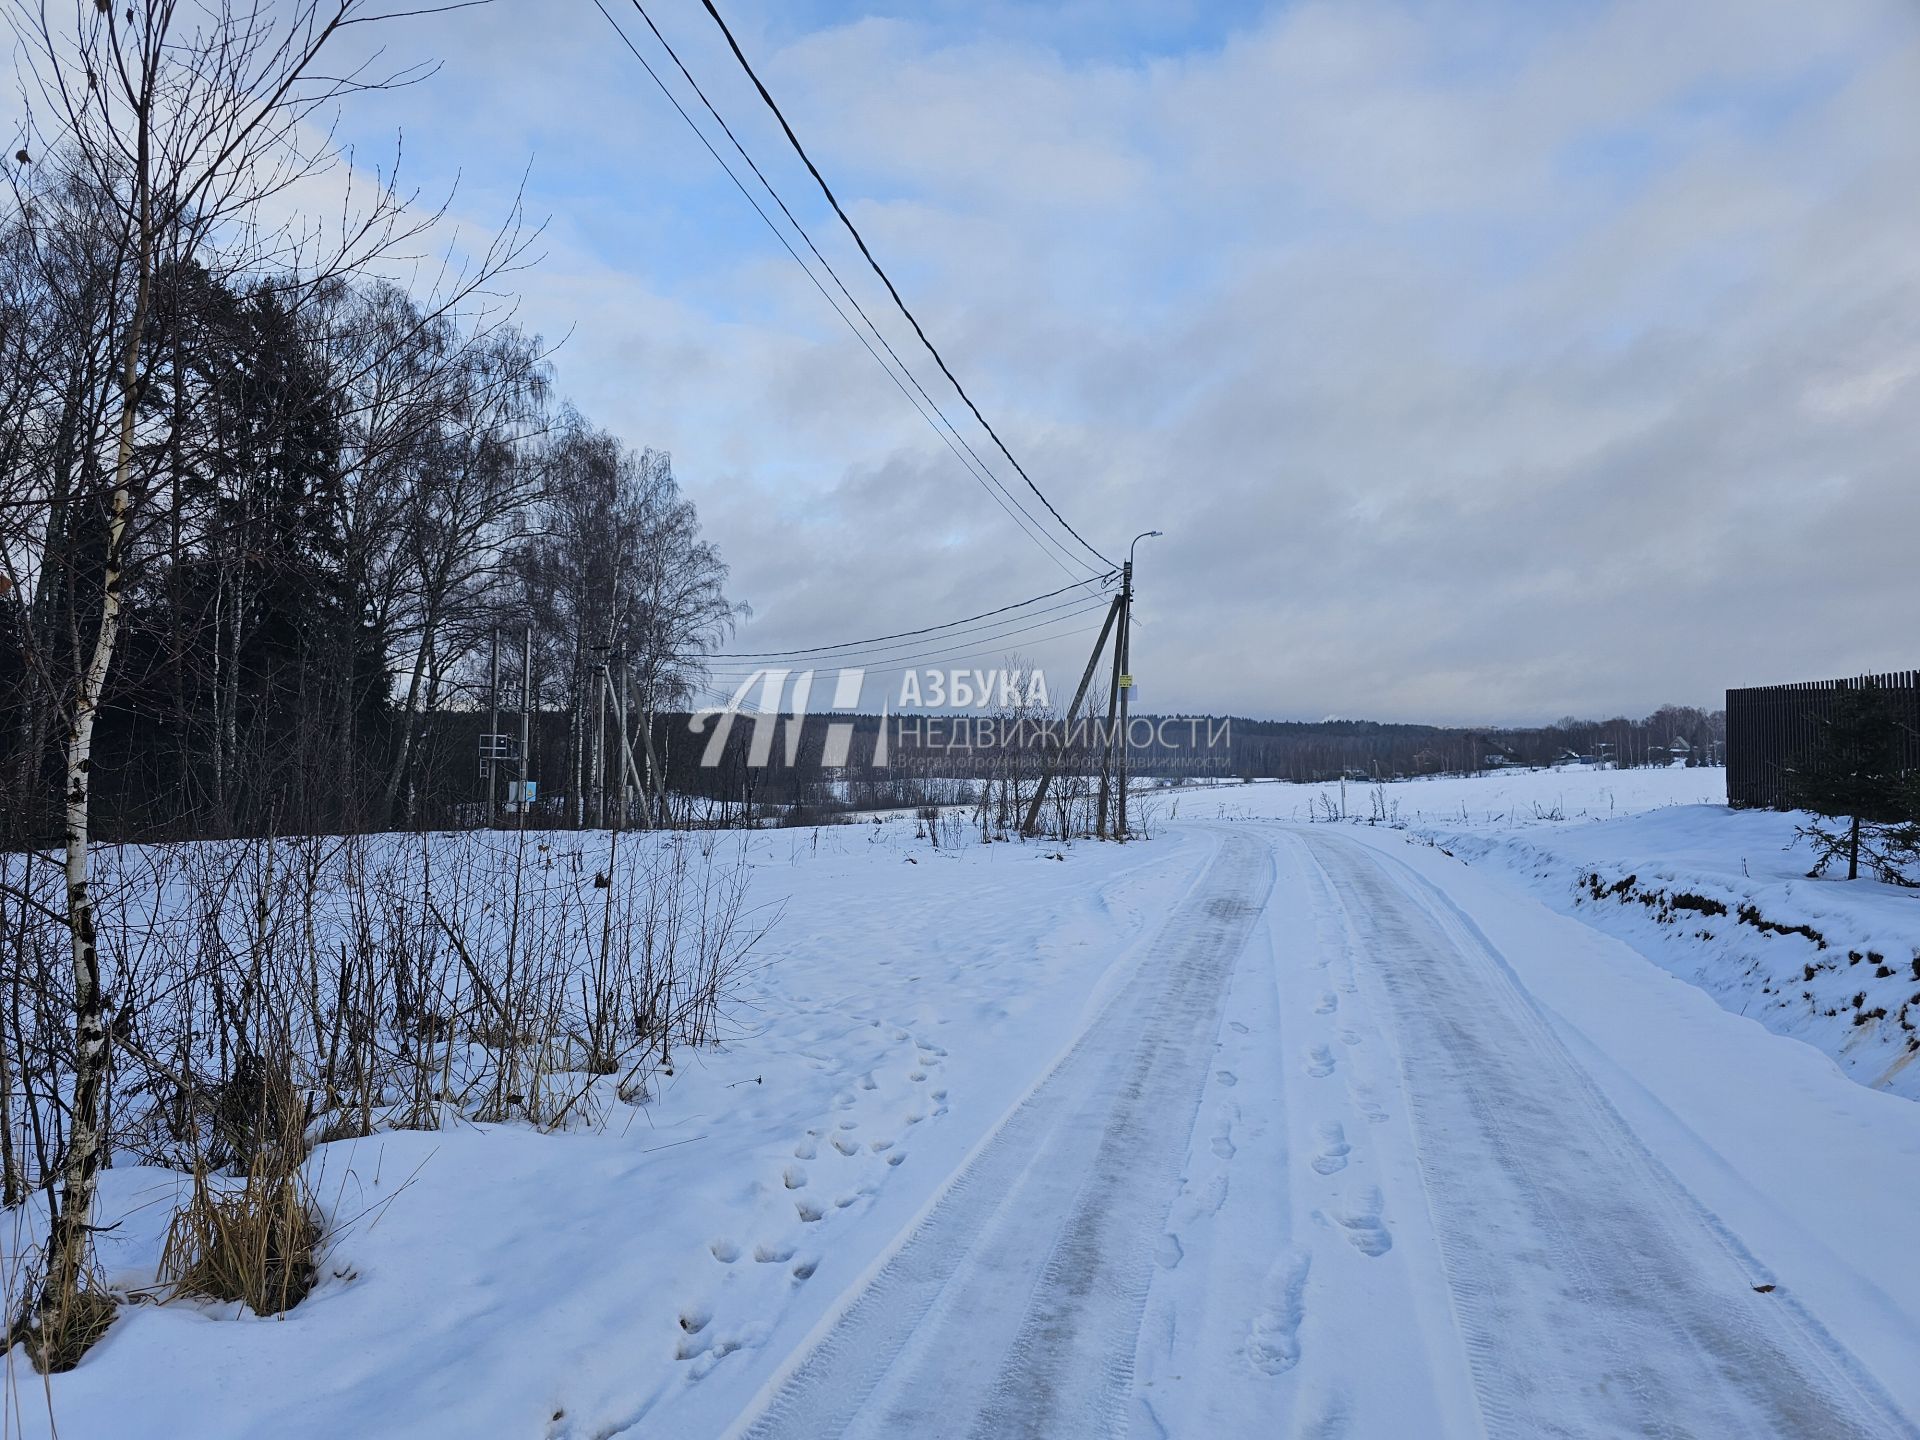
(61, 1333)
(253, 1244)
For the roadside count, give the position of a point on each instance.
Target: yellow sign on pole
(1126, 682)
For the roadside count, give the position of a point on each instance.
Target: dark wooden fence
(1772, 728)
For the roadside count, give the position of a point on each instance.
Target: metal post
(526, 709)
(493, 727)
(599, 744)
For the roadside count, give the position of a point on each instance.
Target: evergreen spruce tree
(1853, 772)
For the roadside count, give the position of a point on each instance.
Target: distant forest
(447, 787)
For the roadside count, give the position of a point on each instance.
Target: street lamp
(1126, 669)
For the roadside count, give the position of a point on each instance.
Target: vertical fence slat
(1769, 728)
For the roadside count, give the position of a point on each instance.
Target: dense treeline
(261, 511)
(343, 490)
(1323, 750)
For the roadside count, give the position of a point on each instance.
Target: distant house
(1495, 762)
(1679, 748)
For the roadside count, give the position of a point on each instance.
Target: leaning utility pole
(1113, 708)
(1093, 663)
(1123, 682)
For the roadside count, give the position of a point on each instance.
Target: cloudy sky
(1481, 362)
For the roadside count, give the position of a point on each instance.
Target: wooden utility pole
(1093, 663)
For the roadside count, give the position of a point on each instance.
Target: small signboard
(500, 747)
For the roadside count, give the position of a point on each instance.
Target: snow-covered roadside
(1720, 899)
(493, 1280)
(1715, 896)
(1805, 1171)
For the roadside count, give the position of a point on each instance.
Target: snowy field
(1315, 1114)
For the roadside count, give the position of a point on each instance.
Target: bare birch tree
(188, 121)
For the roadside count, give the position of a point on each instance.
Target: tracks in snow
(1485, 1246)
(1011, 1308)
(1593, 1294)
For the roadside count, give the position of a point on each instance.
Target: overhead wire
(869, 659)
(726, 698)
(904, 634)
(1030, 526)
(827, 265)
(885, 279)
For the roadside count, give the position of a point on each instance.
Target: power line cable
(827, 264)
(1067, 634)
(1028, 526)
(869, 659)
(901, 634)
(859, 240)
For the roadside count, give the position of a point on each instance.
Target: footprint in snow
(1222, 1144)
(1363, 1225)
(693, 1319)
(1320, 1062)
(724, 1250)
(1273, 1339)
(1334, 1149)
(794, 1177)
(1236, 1027)
(1329, 1002)
(773, 1253)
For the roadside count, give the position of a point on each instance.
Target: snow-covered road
(1012, 1306)
(1591, 1293)
(1320, 1164)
